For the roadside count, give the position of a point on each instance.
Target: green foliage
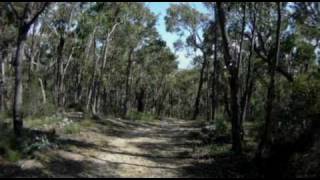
(86, 123)
(13, 155)
(68, 126)
(141, 116)
(305, 53)
(222, 127)
(40, 143)
(7, 144)
(43, 121)
(212, 150)
(182, 17)
(305, 95)
(73, 128)
(5, 116)
(8, 147)
(184, 83)
(33, 103)
(298, 109)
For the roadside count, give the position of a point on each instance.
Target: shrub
(298, 109)
(142, 116)
(221, 125)
(73, 128)
(13, 155)
(33, 103)
(8, 147)
(43, 121)
(39, 143)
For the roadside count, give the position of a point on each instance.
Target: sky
(160, 9)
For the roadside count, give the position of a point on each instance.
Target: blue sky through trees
(160, 9)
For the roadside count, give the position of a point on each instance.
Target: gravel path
(118, 148)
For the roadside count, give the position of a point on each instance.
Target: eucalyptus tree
(304, 20)
(26, 14)
(306, 17)
(141, 25)
(211, 46)
(8, 32)
(280, 40)
(266, 138)
(101, 20)
(155, 64)
(62, 23)
(113, 19)
(182, 18)
(232, 63)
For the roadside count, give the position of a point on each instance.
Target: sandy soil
(119, 148)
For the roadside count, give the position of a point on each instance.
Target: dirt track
(118, 148)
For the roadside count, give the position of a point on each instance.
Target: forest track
(158, 149)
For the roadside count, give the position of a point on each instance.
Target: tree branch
(225, 41)
(265, 58)
(38, 14)
(68, 62)
(13, 10)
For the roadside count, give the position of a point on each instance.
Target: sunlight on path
(156, 150)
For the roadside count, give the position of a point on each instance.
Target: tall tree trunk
(98, 79)
(238, 67)
(17, 63)
(233, 83)
(235, 116)
(93, 92)
(32, 53)
(266, 140)
(25, 21)
(100, 74)
(208, 109)
(79, 78)
(78, 94)
(226, 104)
(197, 101)
(140, 99)
(94, 97)
(160, 106)
(93, 77)
(59, 83)
(2, 82)
(44, 97)
(214, 78)
(127, 87)
(89, 96)
(249, 80)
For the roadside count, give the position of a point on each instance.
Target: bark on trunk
(93, 77)
(94, 89)
(235, 118)
(238, 68)
(17, 63)
(2, 82)
(233, 83)
(25, 21)
(266, 140)
(100, 74)
(197, 101)
(44, 97)
(249, 80)
(32, 53)
(214, 80)
(127, 90)
(208, 109)
(140, 100)
(59, 82)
